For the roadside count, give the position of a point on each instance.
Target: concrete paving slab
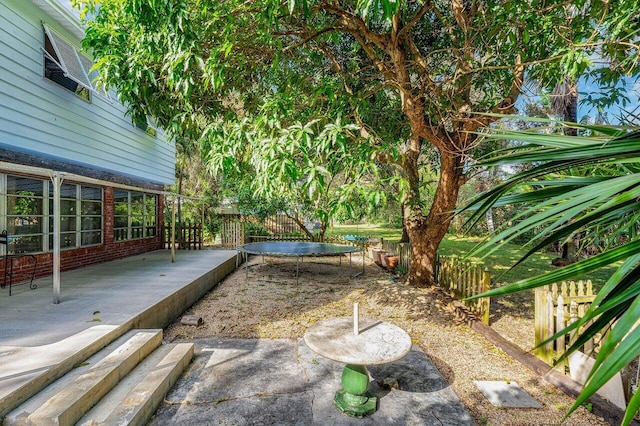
(283, 382)
(507, 394)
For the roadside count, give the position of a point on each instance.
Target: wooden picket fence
(556, 307)
(188, 236)
(465, 279)
(231, 234)
(280, 224)
(460, 279)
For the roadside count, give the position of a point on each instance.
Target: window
(65, 66)
(80, 216)
(144, 125)
(134, 215)
(25, 215)
(90, 216)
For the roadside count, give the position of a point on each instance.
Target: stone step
(27, 370)
(65, 401)
(134, 400)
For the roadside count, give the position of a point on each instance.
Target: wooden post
(486, 286)
(560, 324)
(549, 326)
(173, 231)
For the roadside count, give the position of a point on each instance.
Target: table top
(378, 342)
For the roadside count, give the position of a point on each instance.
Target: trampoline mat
(296, 248)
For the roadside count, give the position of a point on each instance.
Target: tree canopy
(400, 77)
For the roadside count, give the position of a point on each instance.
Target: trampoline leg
(246, 268)
(359, 273)
(297, 268)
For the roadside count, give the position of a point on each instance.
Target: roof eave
(63, 16)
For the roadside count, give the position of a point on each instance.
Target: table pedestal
(375, 342)
(354, 399)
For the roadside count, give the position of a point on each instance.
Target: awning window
(68, 59)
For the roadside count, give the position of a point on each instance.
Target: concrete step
(27, 370)
(65, 401)
(134, 400)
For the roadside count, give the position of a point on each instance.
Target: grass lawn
(499, 262)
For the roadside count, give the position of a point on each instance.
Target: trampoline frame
(298, 249)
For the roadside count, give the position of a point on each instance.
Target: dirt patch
(269, 304)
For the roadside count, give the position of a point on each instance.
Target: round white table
(377, 342)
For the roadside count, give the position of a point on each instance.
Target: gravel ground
(270, 305)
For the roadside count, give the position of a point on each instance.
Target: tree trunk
(490, 225)
(405, 234)
(301, 225)
(565, 104)
(426, 232)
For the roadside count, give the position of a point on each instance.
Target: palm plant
(587, 184)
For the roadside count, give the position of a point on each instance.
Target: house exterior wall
(40, 118)
(45, 126)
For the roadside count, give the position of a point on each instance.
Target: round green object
(355, 379)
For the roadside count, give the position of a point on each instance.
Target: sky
(633, 105)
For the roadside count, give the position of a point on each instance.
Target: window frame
(44, 217)
(78, 232)
(67, 59)
(139, 226)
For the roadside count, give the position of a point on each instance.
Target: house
(80, 183)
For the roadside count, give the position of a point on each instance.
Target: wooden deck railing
(188, 236)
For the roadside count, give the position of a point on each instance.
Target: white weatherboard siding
(41, 118)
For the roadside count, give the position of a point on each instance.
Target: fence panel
(462, 280)
(281, 224)
(402, 250)
(556, 307)
(187, 236)
(231, 234)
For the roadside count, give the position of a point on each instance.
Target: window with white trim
(24, 217)
(146, 125)
(65, 66)
(80, 216)
(26, 206)
(135, 215)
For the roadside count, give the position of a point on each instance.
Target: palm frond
(588, 185)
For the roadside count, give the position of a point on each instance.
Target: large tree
(410, 74)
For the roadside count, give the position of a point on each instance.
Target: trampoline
(298, 249)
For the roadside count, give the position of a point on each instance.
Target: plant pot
(373, 253)
(392, 261)
(381, 255)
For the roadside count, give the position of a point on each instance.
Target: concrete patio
(230, 381)
(39, 340)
